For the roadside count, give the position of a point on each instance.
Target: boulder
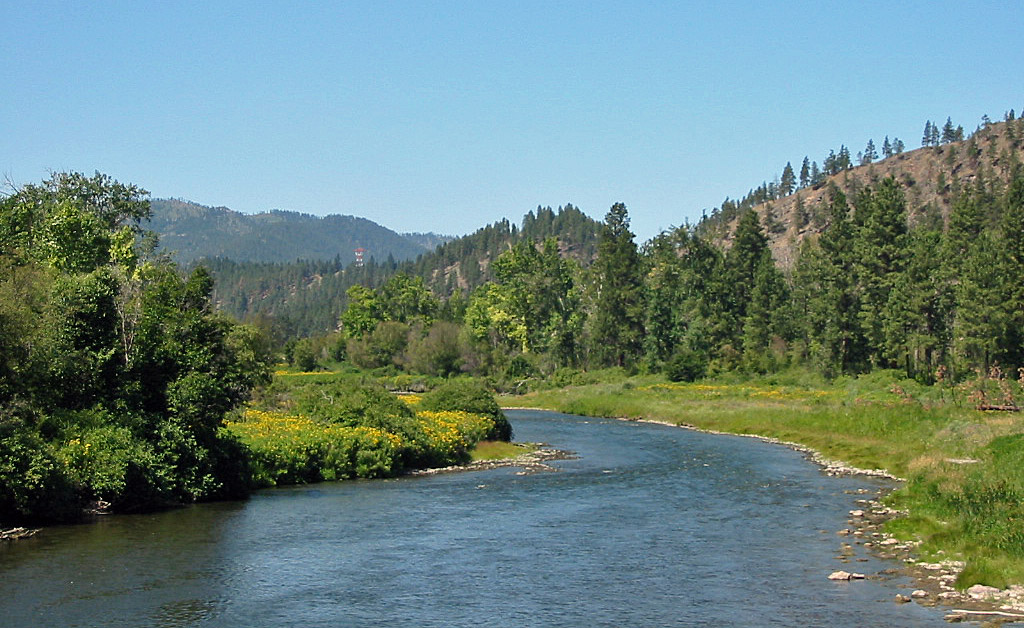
(981, 592)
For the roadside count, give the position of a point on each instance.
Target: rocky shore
(531, 462)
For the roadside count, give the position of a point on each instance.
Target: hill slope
(307, 297)
(191, 231)
(932, 179)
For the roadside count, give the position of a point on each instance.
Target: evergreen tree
(744, 257)
(881, 222)
(682, 299)
(816, 175)
(805, 173)
(886, 148)
(826, 294)
(843, 160)
(788, 182)
(918, 310)
(616, 332)
(764, 321)
(926, 137)
(1012, 238)
(897, 146)
(948, 132)
(870, 154)
(981, 320)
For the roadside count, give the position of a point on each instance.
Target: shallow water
(650, 526)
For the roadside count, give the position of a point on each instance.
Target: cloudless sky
(446, 116)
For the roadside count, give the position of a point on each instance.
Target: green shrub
(33, 483)
(351, 402)
(469, 396)
(686, 366)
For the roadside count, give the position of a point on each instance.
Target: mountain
(306, 297)
(932, 179)
(429, 241)
(191, 231)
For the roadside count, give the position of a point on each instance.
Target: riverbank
(533, 459)
(866, 528)
(954, 510)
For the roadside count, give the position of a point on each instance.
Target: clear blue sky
(445, 116)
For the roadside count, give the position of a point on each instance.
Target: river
(649, 526)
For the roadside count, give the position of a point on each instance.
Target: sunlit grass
(500, 450)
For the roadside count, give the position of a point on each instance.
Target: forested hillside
(933, 177)
(190, 231)
(910, 263)
(307, 297)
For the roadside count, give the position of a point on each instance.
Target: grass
(500, 450)
(964, 468)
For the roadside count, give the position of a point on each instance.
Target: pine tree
(831, 163)
(764, 320)
(826, 299)
(617, 317)
(897, 146)
(948, 132)
(1012, 238)
(788, 182)
(805, 173)
(886, 148)
(741, 263)
(800, 213)
(843, 161)
(981, 319)
(926, 137)
(917, 315)
(870, 154)
(881, 222)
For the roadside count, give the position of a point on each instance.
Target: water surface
(650, 526)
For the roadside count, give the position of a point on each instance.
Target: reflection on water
(651, 526)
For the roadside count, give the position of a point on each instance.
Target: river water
(649, 526)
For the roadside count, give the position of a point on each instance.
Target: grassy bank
(312, 427)
(964, 468)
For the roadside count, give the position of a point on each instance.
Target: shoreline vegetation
(953, 521)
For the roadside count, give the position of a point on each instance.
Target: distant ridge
(190, 231)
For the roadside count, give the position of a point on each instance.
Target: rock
(981, 592)
(919, 594)
(890, 542)
(845, 575)
(857, 513)
(902, 599)
(954, 618)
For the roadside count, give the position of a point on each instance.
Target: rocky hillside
(932, 177)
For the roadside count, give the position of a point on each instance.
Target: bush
(351, 402)
(686, 366)
(33, 483)
(470, 396)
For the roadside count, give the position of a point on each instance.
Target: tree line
(869, 292)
